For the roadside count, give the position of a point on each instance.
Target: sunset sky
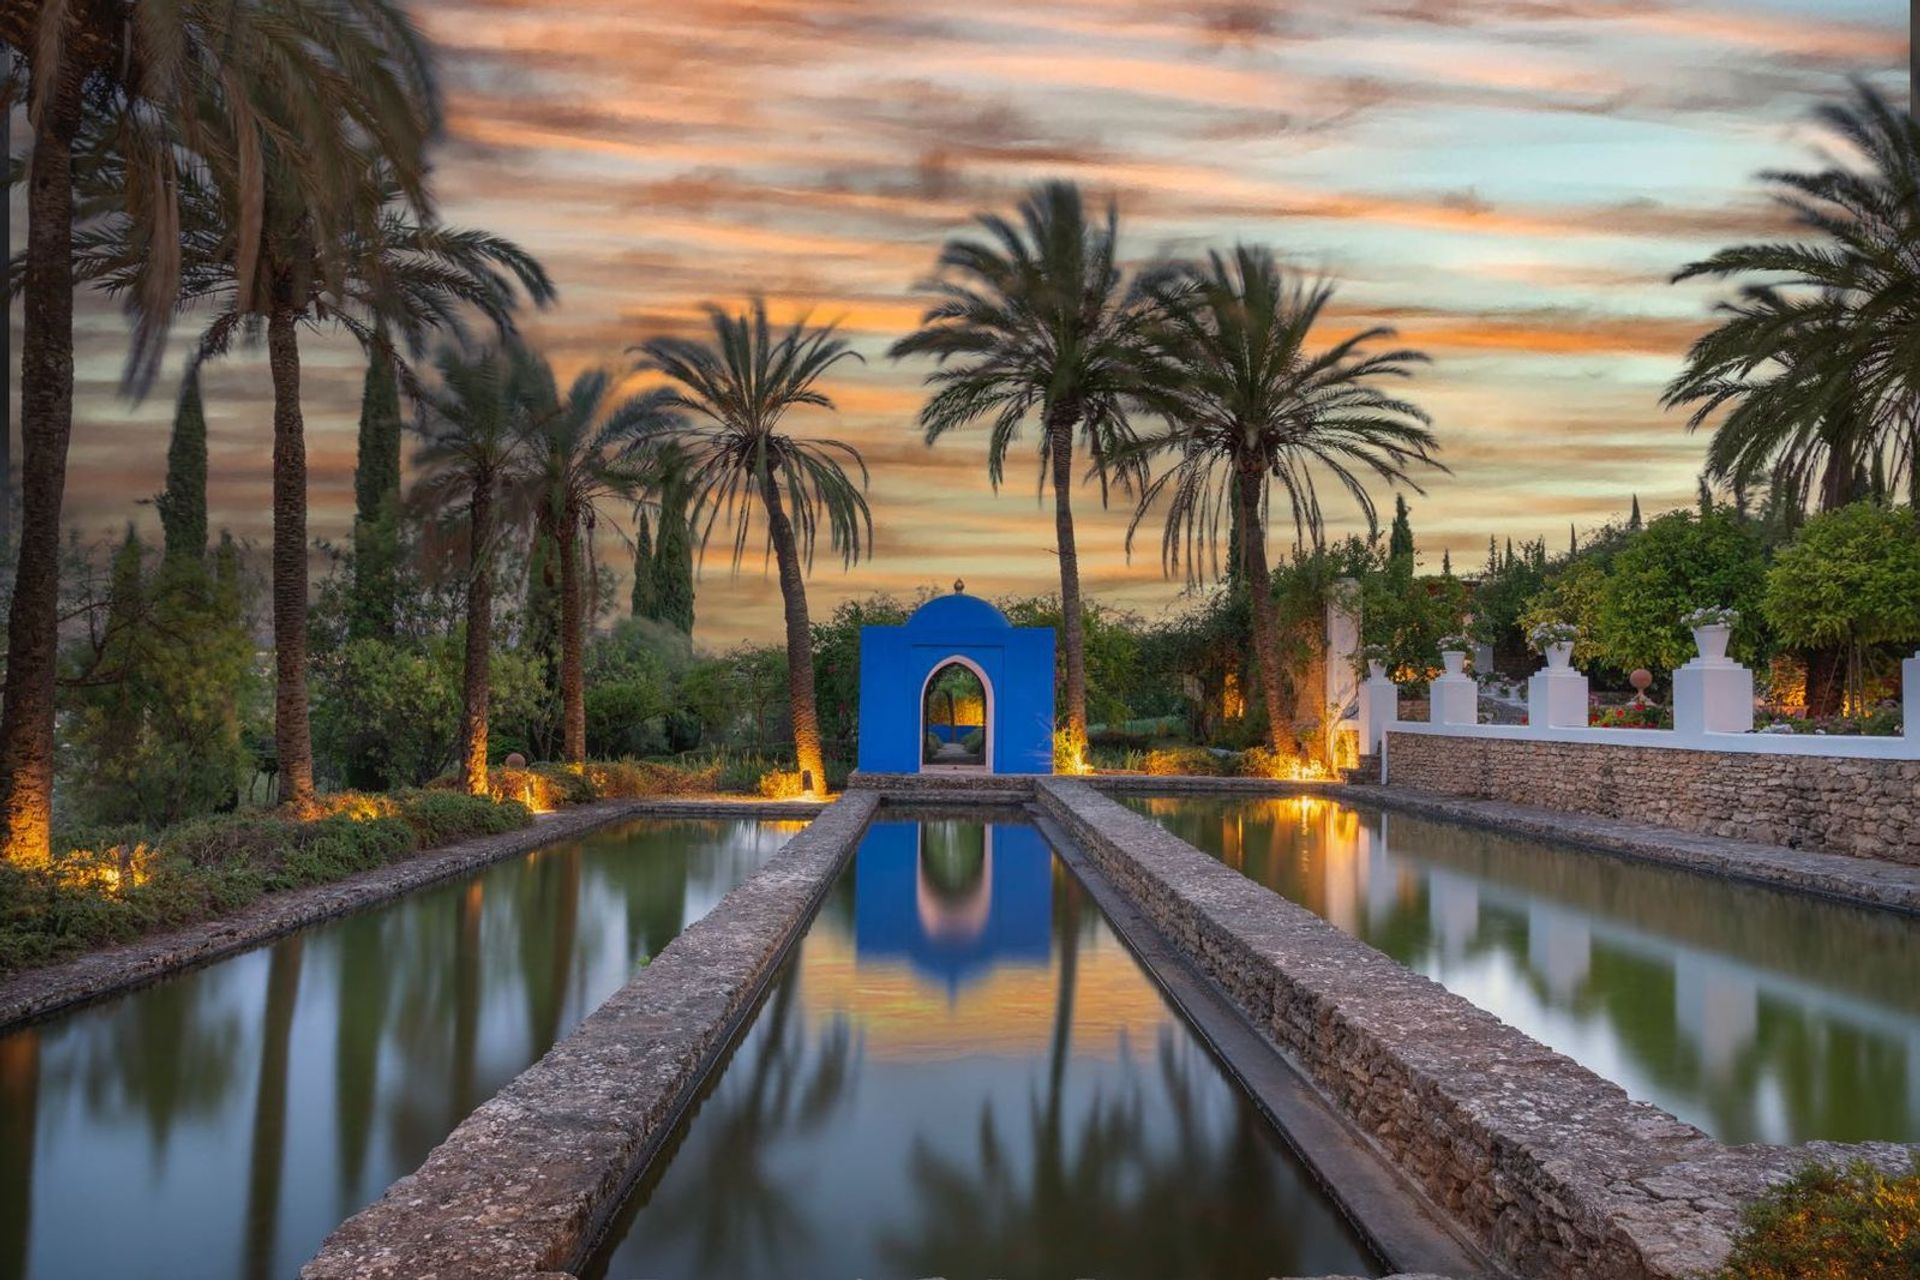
(1510, 182)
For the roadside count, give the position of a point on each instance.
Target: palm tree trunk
(1060, 424)
(46, 429)
(1836, 481)
(1266, 648)
(291, 734)
(573, 700)
(793, 591)
(479, 636)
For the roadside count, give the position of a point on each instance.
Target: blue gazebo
(1014, 666)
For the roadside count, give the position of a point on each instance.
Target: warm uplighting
(1070, 754)
(1233, 704)
(111, 871)
(1259, 762)
(784, 784)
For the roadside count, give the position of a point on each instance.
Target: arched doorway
(956, 717)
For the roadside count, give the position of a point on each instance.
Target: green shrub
(569, 782)
(974, 741)
(112, 885)
(638, 779)
(1194, 761)
(1855, 1222)
(444, 817)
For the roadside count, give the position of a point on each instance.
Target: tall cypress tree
(673, 560)
(376, 500)
(643, 604)
(183, 503)
(1400, 539)
(1633, 520)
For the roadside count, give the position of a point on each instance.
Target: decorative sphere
(1641, 679)
(515, 760)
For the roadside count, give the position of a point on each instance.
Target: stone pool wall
(1555, 1171)
(1861, 807)
(526, 1182)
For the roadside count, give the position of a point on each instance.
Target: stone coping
(1862, 881)
(1837, 746)
(1555, 1171)
(1401, 1228)
(525, 1184)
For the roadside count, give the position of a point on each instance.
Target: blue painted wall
(1016, 663)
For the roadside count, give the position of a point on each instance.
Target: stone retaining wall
(525, 1183)
(1555, 1171)
(1834, 804)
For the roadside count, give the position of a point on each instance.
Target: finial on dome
(959, 586)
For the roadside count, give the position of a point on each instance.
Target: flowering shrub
(1456, 643)
(1372, 653)
(1856, 1222)
(1631, 716)
(1548, 634)
(1712, 615)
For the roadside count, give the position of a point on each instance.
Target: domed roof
(957, 612)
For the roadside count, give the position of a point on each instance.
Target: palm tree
(583, 454)
(1034, 319)
(727, 405)
(477, 423)
(151, 89)
(1257, 412)
(1815, 358)
(378, 264)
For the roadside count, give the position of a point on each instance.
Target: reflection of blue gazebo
(1014, 664)
(953, 933)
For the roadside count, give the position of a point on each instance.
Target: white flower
(1548, 634)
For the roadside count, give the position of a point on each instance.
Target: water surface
(220, 1123)
(1757, 1014)
(962, 1072)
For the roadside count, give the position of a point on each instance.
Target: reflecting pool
(219, 1124)
(1757, 1014)
(963, 1072)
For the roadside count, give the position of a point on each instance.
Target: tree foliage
(1851, 578)
(1813, 362)
(183, 503)
(1680, 562)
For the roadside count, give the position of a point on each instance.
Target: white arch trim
(987, 730)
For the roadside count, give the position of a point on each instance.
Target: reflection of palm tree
(733, 1205)
(546, 952)
(167, 1055)
(1115, 1202)
(19, 1099)
(270, 1109)
(362, 1013)
(1066, 928)
(466, 1001)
